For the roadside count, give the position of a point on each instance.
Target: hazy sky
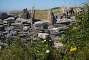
(39, 4)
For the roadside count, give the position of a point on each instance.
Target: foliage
(78, 36)
(17, 50)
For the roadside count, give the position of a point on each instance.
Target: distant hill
(39, 14)
(43, 14)
(56, 9)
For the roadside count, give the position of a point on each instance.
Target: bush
(78, 36)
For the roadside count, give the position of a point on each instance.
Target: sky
(6, 5)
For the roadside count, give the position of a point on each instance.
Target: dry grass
(41, 14)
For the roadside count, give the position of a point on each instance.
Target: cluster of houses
(27, 29)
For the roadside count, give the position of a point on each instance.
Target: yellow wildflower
(72, 49)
